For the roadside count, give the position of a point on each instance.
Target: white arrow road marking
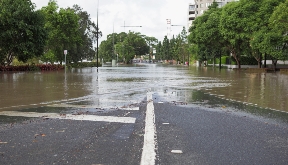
(149, 153)
(113, 119)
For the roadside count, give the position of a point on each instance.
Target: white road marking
(149, 153)
(113, 119)
(91, 106)
(177, 151)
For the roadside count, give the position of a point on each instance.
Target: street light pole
(97, 36)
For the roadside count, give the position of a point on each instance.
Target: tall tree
(63, 30)
(166, 49)
(200, 35)
(262, 30)
(279, 25)
(184, 45)
(87, 31)
(236, 25)
(21, 30)
(159, 53)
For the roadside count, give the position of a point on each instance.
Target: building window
(201, 5)
(208, 4)
(191, 7)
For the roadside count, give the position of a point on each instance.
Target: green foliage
(82, 64)
(125, 45)
(88, 34)
(21, 30)
(166, 49)
(159, 52)
(236, 25)
(205, 33)
(46, 33)
(32, 67)
(63, 29)
(278, 23)
(69, 29)
(245, 28)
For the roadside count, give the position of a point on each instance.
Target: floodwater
(121, 86)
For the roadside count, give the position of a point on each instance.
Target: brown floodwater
(124, 85)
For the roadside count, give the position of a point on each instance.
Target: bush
(82, 64)
(245, 60)
(33, 67)
(224, 60)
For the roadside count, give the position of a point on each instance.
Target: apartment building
(191, 14)
(200, 6)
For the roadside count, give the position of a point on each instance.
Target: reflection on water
(118, 86)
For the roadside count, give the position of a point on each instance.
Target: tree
(22, 31)
(151, 42)
(159, 53)
(182, 39)
(173, 47)
(125, 45)
(166, 49)
(259, 42)
(88, 34)
(63, 30)
(195, 37)
(236, 25)
(278, 22)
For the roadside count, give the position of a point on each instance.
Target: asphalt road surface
(156, 133)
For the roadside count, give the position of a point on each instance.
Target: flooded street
(121, 86)
(143, 114)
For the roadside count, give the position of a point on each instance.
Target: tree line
(257, 29)
(176, 48)
(44, 34)
(240, 29)
(124, 46)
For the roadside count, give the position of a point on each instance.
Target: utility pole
(97, 36)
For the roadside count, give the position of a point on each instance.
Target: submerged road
(155, 133)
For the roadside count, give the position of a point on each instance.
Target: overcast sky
(150, 14)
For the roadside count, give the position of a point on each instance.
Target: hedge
(230, 60)
(33, 67)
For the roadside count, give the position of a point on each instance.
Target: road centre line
(82, 117)
(149, 154)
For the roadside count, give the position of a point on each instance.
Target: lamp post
(97, 36)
